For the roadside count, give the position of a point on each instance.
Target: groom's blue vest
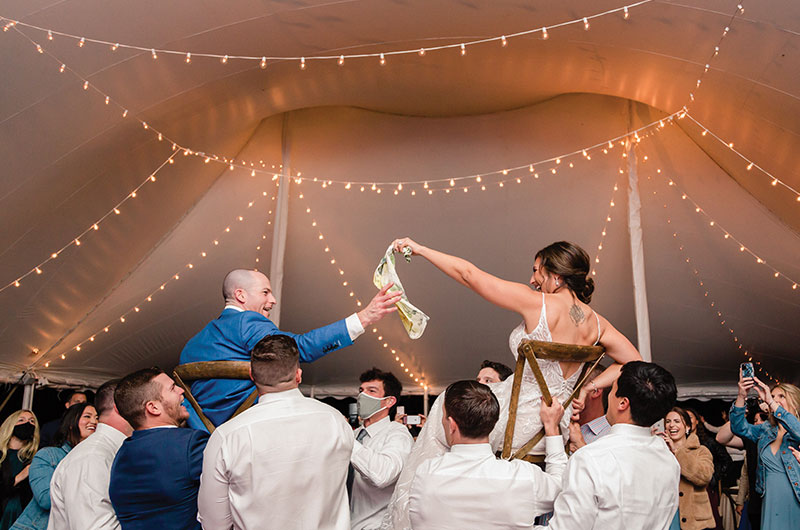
(230, 338)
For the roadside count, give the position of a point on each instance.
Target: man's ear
(298, 375)
(392, 401)
(623, 404)
(153, 408)
(452, 426)
(250, 372)
(240, 295)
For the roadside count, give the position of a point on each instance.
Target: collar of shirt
(234, 307)
(379, 426)
(110, 432)
(472, 449)
(292, 393)
(598, 424)
(633, 431)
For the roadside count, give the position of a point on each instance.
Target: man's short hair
(134, 391)
(104, 398)
(473, 407)
(391, 385)
(72, 394)
(649, 388)
(274, 360)
(502, 370)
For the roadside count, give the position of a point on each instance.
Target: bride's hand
(399, 244)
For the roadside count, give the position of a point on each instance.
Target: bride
(556, 310)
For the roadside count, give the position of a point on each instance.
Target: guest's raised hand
(579, 403)
(381, 305)
(576, 439)
(551, 417)
(795, 452)
(745, 384)
(763, 390)
(400, 244)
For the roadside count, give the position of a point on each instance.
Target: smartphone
(401, 410)
(412, 419)
(659, 426)
(747, 370)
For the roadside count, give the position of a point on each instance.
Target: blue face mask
(368, 405)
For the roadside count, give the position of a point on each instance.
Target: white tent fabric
(68, 159)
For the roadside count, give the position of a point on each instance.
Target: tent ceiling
(68, 158)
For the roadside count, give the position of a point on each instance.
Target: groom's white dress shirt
(377, 460)
(625, 479)
(469, 488)
(79, 487)
(280, 464)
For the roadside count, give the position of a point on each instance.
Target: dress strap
(543, 316)
(598, 328)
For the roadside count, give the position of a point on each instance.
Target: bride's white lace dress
(431, 442)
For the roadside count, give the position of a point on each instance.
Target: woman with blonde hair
(777, 476)
(19, 441)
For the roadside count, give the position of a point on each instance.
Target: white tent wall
(68, 158)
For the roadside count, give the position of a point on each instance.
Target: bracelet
(594, 385)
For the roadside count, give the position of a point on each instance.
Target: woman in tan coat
(697, 468)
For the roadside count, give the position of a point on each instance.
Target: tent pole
(425, 401)
(27, 396)
(637, 247)
(281, 224)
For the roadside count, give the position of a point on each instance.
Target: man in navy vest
(156, 473)
(244, 322)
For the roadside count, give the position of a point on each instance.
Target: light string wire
(750, 164)
(606, 223)
(136, 308)
(76, 241)
(714, 53)
(446, 184)
(340, 58)
(415, 374)
(701, 283)
(712, 223)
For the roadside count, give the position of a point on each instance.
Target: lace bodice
(551, 370)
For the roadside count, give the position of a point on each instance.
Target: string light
(604, 231)
(713, 224)
(438, 184)
(714, 54)
(707, 295)
(82, 40)
(419, 379)
(137, 307)
(774, 181)
(75, 240)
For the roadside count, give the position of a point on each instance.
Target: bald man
(244, 322)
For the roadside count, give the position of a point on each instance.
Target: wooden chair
(530, 351)
(212, 370)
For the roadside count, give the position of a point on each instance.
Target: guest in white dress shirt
(79, 487)
(469, 487)
(380, 451)
(283, 462)
(628, 478)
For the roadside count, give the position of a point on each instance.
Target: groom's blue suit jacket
(230, 338)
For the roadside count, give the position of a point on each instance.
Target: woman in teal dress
(19, 440)
(78, 423)
(777, 475)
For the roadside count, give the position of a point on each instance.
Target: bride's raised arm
(513, 296)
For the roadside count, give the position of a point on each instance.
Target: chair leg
(512, 407)
(188, 395)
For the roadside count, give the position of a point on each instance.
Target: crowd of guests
(126, 461)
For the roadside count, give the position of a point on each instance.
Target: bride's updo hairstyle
(570, 262)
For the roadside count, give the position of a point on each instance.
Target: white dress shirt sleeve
(381, 466)
(354, 327)
(576, 506)
(213, 502)
(82, 490)
(549, 482)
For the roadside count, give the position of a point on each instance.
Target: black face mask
(24, 431)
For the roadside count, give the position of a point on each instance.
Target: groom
(244, 322)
